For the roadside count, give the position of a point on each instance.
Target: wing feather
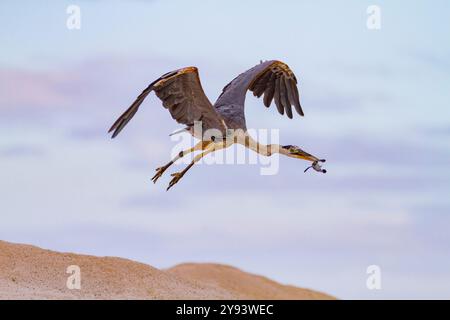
(284, 98)
(277, 97)
(272, 78)
(297, 105)
(260, 86)
(182, 94)
(291, 98)
(269, 92)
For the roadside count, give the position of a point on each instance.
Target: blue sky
(376, 105)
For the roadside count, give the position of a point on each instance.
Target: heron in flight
(181, 93)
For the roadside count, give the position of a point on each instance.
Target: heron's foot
(176, 177)
(159, 173)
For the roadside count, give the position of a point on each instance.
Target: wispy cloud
(438, 61)
(23, 150)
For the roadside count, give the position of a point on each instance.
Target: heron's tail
(179, 131)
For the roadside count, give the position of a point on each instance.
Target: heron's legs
(199, 146)
(178, 175)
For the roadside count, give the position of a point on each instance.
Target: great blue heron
(181, 93)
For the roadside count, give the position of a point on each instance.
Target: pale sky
(376, 105)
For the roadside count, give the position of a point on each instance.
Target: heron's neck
(264, 149)
(276, 148)
(268, 149)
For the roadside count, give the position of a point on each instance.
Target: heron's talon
(159, 173)
(176, 177)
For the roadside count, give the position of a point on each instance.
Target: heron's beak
(300, 154)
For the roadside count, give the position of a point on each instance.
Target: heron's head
(296, 152)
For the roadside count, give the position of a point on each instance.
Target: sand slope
(240, 284)
(28, 272)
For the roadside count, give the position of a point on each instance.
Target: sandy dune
(28, 272)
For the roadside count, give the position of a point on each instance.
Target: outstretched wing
(272, 78)
(181, 93)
